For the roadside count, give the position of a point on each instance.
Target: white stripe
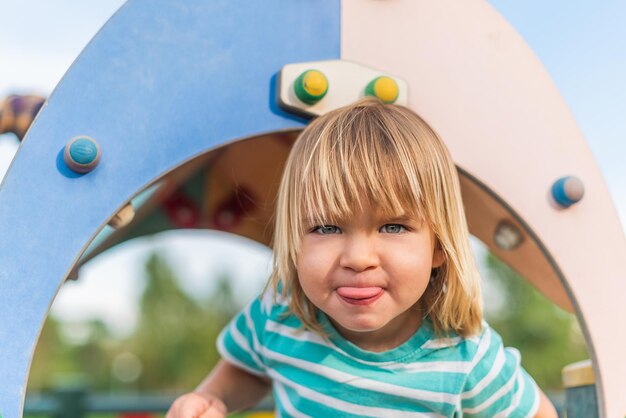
(440, 366)
(299, 334)
(361, 382)
(344, 406)
(302, 335)
(535, 407)
(464, 367)
(267, 302)
(437, 343)
(286, 402)
(236, 362)
(435, 367)
(496, 368)
(516, 398)
(483, 347)
(241, 341)
(495, 397)
(255, 341)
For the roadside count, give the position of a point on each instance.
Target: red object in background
(230, 212)
(182, 211)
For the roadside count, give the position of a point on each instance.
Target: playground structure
(193, 110)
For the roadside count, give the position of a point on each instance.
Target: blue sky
(579, 42)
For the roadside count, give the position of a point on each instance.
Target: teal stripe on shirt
(316, 378)
(313, 353)
(352, 394)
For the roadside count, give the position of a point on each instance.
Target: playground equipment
(18, 112)
(189, 108)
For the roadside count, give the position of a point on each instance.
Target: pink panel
(474, 79)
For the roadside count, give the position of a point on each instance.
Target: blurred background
(143, 317)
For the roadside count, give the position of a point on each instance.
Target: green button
(311, 86)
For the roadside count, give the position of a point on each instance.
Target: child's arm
(226, 389)
(237, 388)
(546, 409)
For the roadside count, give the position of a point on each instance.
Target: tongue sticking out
(358, 292)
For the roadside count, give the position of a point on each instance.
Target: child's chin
(362, 325)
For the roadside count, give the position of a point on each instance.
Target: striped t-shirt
(330, 377)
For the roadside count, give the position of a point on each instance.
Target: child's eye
(392, 228)
(326, 229)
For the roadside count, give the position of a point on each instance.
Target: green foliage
(175, 336)
(174, 341)
(548, 337)
(57, 362)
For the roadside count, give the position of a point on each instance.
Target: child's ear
(438, 256)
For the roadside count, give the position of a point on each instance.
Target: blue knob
(568, 190)
(82, 154)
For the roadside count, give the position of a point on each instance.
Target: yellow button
(386, 89)
(315, 83)
(311, 86)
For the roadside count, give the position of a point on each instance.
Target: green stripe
(486, 363)
(506, 373)
(317, 354)
(314, 409)
(439, 383)
(351, 394)
(500, 405)
(238, 352)
(528, 396)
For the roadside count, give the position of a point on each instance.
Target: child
(374, 304)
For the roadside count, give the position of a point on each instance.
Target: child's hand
(196, 405)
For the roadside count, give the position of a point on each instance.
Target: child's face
(367, 272)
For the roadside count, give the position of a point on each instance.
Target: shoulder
(486, 342)
(489, 351)
(454, 347)
(497, 383)
(242, 342)
(272, 306)
(479, 351)
(270, 313)
(261, 313)
(464, 355)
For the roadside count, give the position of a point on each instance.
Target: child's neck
(392, 335)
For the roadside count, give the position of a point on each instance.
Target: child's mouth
(360, 295)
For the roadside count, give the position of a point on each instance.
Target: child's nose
(359, 253)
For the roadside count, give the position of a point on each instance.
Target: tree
(47, 355)
(548, 337)
(59, 360)
(175, 337)
(174, 340)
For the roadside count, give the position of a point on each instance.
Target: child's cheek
(315, 272)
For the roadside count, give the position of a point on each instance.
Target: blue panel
(162, 82)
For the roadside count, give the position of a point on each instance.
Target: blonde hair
(384, 156)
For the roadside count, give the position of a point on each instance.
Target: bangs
(356, 168)
(385, 159)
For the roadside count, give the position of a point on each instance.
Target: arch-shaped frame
(165, 81)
